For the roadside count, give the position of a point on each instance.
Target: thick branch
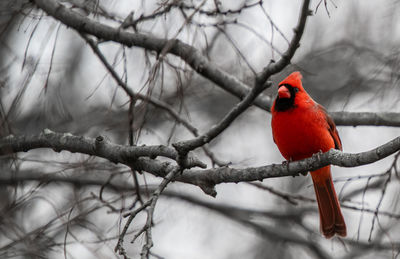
(333, 157)
(96, 147)
(137, 157)
(207, 179)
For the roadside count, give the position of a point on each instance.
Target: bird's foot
(317, 155)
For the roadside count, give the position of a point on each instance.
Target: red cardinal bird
(301, 127)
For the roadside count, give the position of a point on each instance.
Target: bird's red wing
(332, 128)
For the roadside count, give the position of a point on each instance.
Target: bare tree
(144, 98)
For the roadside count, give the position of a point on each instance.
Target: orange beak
(283, 92)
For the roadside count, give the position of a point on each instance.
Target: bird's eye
(296, 89)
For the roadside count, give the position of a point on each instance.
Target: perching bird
(301, 127)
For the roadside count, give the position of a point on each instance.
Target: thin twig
(274, 68)
(384, 188)
(150, 206)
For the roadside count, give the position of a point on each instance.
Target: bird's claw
(317, 155)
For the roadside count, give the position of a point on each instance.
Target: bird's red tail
(331, 218)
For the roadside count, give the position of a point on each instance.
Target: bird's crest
(294, 79)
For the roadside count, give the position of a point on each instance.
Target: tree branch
(96, 147)
(366, 118)
(189, 54)
(141, 159)
(198, 62)
(332, 157)
(207, 179)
